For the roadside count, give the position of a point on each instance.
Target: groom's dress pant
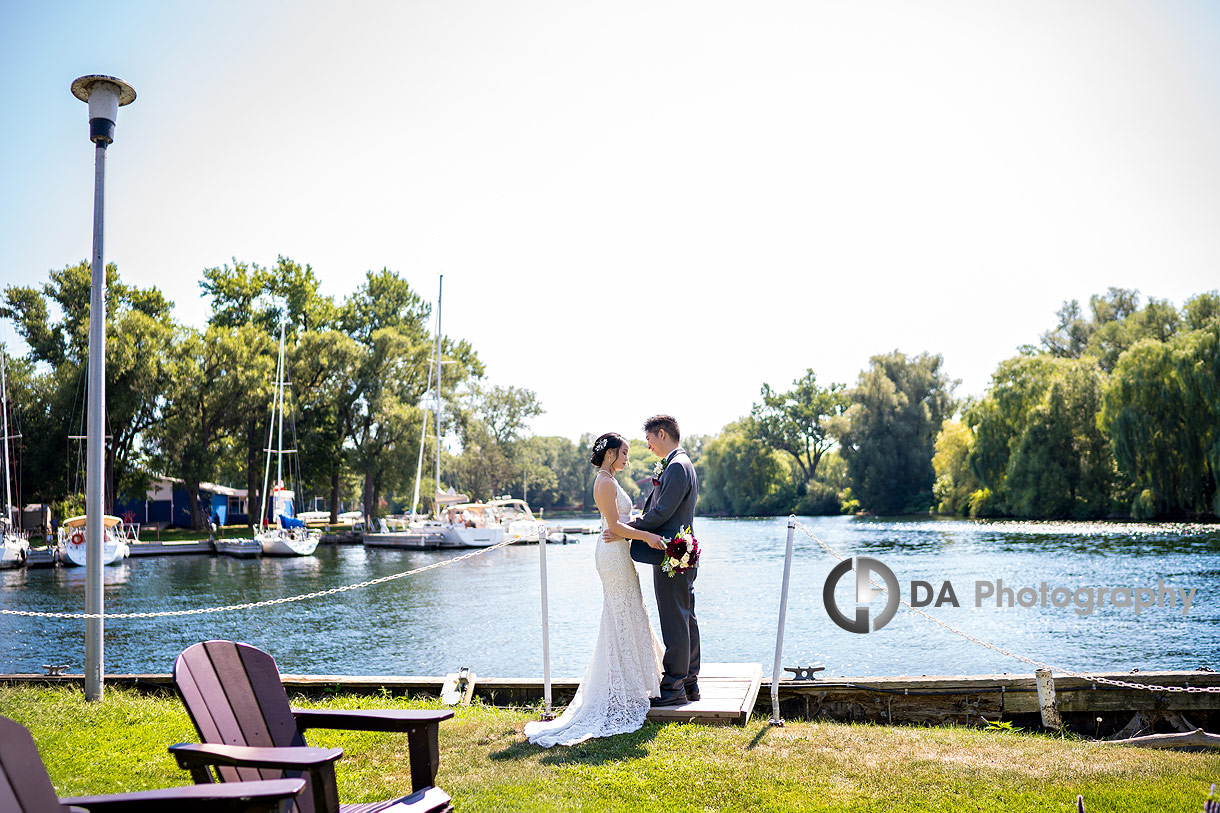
(679, 628)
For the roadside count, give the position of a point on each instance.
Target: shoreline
(1086, 707)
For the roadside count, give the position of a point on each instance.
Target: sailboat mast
(279, 374)
(8, 496)
(419, 462)
(440, 286)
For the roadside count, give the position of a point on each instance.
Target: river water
(485, 612)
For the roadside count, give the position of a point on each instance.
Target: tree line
(1112, 413)
(194, 403)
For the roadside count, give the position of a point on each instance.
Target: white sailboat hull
(456, 536)
(279, 542)
(74, 555)
(14, 551)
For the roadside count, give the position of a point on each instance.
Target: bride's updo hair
(608, 441)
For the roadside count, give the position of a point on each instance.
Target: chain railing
(1126, 684)
(269, 602)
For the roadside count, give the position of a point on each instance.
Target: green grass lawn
(486, 764)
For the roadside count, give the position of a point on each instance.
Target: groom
(669, 508)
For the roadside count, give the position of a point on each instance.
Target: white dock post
(547, 714)
(779, 634)
(1046, 699)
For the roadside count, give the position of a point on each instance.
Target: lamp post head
(104, 95)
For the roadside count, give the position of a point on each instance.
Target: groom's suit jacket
(669, 508)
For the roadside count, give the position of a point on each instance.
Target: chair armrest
(231, 797)
(369, 719)
(422, 729)
(297, 758)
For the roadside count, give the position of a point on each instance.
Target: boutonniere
(657, 469)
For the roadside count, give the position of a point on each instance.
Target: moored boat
(73, 545)
(14, 547)
(283, 534)
(471, 525)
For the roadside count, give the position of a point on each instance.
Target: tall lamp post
(104, 95)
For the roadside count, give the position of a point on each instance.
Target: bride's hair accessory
(608, 441)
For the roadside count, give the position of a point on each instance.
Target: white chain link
(251, 605)
(1071, 673)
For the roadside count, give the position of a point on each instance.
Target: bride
(625, 670)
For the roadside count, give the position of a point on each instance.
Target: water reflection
(484, 612)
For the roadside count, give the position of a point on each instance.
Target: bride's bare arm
(606, 497)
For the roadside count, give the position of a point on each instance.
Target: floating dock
(141, 547)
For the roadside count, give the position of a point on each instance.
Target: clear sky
(640, 206)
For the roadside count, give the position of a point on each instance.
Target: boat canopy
(79, 522)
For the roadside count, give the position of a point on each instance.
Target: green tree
(379, 408)
(1117, 323)
(218, 377)
(741, 477)
(898, 407)
(1036, 448)
(955, 482)
(1161, 409)
(490, 424)
(799, 421)
(249, 294)
(139, 335)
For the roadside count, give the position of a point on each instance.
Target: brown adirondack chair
(25, 787)
(237, 702)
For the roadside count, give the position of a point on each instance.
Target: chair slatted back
(234, 696)
(25, 786)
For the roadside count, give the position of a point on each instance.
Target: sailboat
(16, 547)
(475, 528)
(284, 534)
(478, 527)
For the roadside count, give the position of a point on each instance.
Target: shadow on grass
(597, 751)
(762, 732)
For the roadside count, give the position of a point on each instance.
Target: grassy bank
(487, 765)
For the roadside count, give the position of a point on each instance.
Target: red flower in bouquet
(681, 553)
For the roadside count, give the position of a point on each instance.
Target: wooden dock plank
(727, 693)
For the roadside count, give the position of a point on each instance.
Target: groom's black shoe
(677, 698)
(692, 691)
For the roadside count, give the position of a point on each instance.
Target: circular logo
(864, 566)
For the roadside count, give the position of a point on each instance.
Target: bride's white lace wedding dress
(625, 669)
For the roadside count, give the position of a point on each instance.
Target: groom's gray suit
(669, 508)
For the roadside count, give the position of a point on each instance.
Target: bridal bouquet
(681, 553)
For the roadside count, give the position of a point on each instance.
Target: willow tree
(898, 406)
(1162, 412)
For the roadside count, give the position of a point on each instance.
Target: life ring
(77, 538)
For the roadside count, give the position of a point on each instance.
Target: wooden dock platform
(727, 692)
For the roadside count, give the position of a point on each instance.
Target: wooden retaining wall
(970, 700)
